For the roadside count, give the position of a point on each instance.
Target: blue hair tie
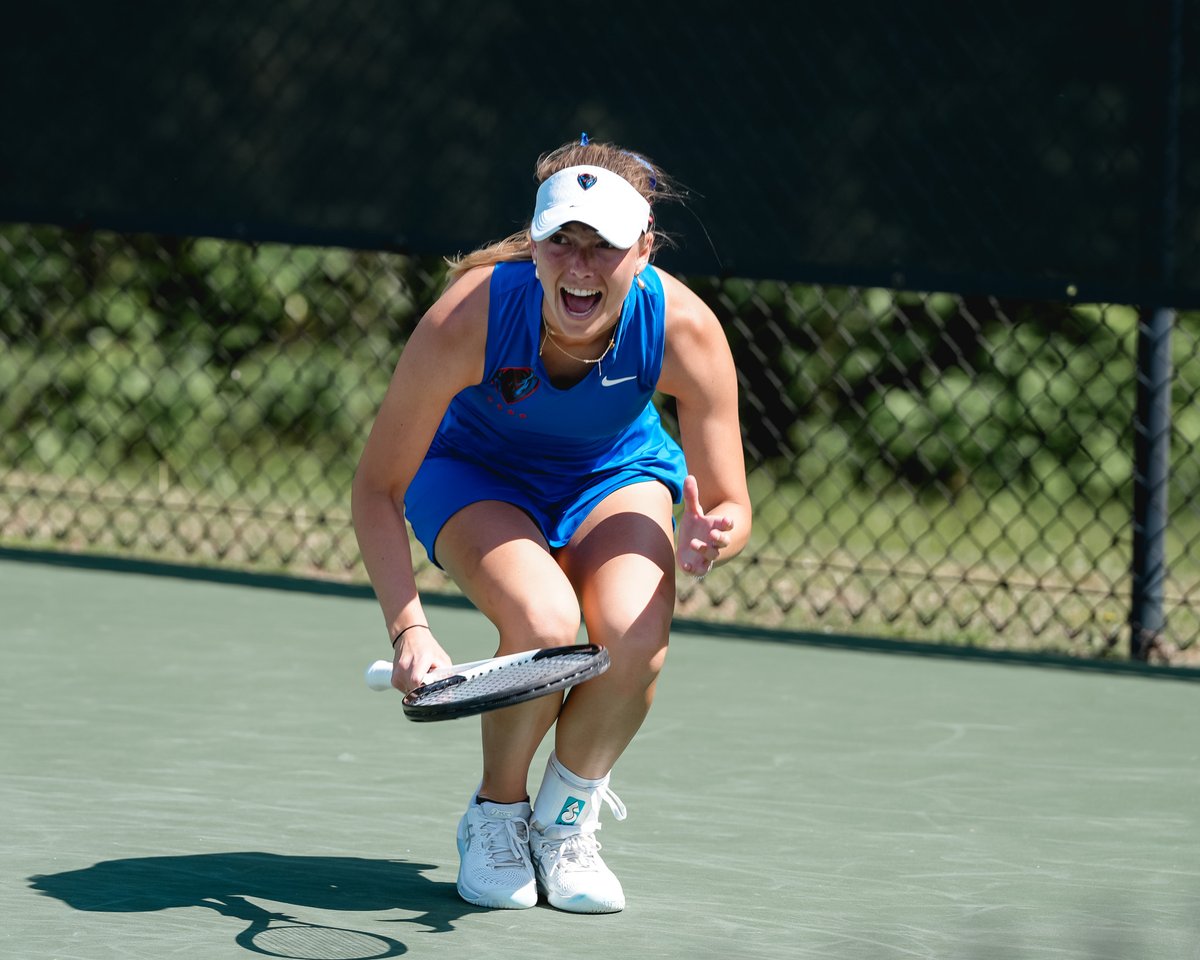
(645, 163)
(583, 139)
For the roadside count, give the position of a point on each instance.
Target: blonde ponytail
(511, 248)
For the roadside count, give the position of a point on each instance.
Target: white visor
(595, 196)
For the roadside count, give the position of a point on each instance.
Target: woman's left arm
(698, 372)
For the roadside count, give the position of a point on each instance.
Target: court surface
(185, 764)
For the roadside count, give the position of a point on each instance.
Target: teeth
(579, 292)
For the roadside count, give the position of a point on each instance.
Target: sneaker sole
(581, 903)
(585, 905)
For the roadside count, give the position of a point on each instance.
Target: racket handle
(379, 675)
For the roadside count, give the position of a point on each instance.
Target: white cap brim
(608, 203)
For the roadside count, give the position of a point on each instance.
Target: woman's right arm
(444, 354)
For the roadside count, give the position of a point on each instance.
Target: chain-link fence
(923, 465)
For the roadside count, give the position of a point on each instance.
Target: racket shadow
(226, 883)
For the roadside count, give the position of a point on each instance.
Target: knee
(550, 619)
(640, 657)
(637, 644)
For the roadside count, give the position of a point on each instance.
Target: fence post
(1152, 424)
(1152, 445)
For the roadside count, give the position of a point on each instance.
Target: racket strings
(526, 675)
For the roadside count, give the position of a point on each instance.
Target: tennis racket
(466, 689)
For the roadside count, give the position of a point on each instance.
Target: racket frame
(459, 674)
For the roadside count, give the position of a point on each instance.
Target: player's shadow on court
(227, 882)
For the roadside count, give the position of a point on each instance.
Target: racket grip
(379, 675)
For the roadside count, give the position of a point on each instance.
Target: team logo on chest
(515, 383)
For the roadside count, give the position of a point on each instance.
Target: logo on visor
(586, 180)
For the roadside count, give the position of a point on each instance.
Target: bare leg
(622, 564)
(499, 559)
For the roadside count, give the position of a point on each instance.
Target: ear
(645, 248)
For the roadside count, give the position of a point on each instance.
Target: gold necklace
(549, 335)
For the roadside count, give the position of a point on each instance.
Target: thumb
(691, 496)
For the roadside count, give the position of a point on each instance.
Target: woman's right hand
(417, 654)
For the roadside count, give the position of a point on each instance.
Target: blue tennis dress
(553, 453)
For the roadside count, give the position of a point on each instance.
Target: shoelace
(505, 842)
(614, 803)
(579, 851)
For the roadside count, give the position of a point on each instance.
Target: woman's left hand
(701, 538)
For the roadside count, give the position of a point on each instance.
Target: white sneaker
(562, 841)
(494, 868)
(571, 873)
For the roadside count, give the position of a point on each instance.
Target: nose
(583, 259)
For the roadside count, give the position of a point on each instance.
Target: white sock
(566, 799)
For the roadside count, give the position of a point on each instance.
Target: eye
(558, 239)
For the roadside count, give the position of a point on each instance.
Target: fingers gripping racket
(466, 689)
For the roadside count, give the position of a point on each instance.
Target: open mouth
(579, 302)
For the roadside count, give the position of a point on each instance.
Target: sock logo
(571, 812)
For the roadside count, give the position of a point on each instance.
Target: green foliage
(936, 391)
(246, 367)
(249, 366)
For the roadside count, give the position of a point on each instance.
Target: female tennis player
(519, 440)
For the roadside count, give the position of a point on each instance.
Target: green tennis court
(196, 769)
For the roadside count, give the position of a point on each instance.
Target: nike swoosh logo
(612, 383)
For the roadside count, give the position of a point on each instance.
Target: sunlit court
(197, 769)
